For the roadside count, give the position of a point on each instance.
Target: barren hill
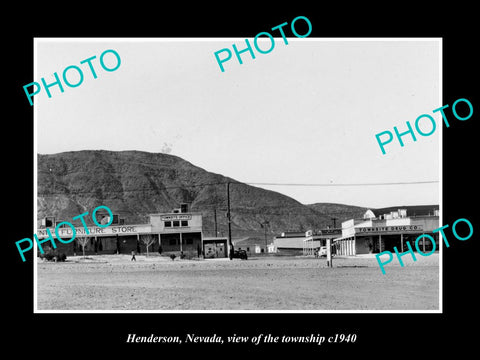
(134, 184)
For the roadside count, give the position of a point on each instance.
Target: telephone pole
(215, 220)
(334, 222)
(264, 225)
(229, 219)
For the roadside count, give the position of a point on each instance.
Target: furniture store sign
(95, 230)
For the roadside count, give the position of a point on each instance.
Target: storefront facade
(384, 233)
(165, 233)
(314, 240)
(215, 247)
(289, 243)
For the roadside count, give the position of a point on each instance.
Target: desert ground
(156, 283)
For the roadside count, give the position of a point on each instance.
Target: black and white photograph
(262, 187)
(271, 183)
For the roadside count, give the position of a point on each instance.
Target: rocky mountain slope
(134, 184)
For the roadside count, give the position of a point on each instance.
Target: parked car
(322, 251)
(240, 254)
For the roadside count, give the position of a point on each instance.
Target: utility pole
(215, 220)
(334, 222)
(264, 225)
(229, 220)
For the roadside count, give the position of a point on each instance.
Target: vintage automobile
(322, 251)
(240, 254)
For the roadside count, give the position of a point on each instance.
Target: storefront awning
(351, 237)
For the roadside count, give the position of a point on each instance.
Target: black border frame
(378, 334)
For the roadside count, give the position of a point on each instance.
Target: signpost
(329, 253)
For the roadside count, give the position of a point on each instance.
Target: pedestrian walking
(133, 256)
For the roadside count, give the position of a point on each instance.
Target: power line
(72, 192)
(346, 184)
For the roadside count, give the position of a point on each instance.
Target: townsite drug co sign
(389, 229)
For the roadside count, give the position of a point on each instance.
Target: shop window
(176, 223)
(189, 241)
(173, 242)
(184, 223)
(168, 224)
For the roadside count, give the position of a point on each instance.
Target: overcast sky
(307, 112)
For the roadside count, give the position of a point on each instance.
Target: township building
(304, 243)
(316, 239)
(180, 231)
(387, 228)
(379, 230)
(253, 245)
(215, 247)
(174, 232)
(289, 243)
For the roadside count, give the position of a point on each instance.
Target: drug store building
(383, 229)
(172, 232)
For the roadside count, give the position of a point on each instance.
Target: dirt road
(269, 283)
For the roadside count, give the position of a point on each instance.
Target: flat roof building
(215, 247)
(289, 242)
(304, 243)
(316, 239)
(383, 230)
(173, 232)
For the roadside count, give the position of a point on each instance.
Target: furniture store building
(175, 232)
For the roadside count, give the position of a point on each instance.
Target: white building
(176, 232)
(387, 228)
